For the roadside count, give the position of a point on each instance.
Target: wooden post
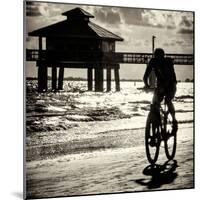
(54, 78)
(42, 78)
(108, 79)
(99, 79)
(60, 78)
(117, 81)
(90, 77)
(153, 43)
(42, 70)
(40, 73)
(45, 78)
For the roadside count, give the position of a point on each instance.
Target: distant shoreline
(122, 80)
(83, 79)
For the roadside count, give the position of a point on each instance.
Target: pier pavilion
(75, 43)
(79, 43)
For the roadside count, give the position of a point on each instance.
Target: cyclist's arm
(173, 74)
(147, 73)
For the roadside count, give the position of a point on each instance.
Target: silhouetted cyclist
(166, 80)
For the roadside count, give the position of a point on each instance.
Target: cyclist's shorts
(168, 93)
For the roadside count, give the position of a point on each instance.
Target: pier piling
(99, 79)
(108, 79)
(42, 71)
(54, 78)
(42, 78)
(60, 78)
(117, 80)
(90, 78)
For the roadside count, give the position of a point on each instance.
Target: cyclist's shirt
(164, 71)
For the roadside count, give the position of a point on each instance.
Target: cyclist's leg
(169, 96)
(171, 109)
(155, 110)
(157, 99)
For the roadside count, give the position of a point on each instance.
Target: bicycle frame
(164, 112)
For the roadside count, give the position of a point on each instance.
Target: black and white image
(109, 99)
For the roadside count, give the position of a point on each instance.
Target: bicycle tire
(152, 126)
(170, 149)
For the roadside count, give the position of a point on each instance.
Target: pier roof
(77, 12)
(77, 25)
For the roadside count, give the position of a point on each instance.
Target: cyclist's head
(159, 53)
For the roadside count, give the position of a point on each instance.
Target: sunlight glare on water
(76, 114)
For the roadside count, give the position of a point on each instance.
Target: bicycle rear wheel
(170, 139)
(152, 138)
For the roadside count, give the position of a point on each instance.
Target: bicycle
(159, 127)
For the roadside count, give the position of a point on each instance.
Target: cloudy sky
(173, 31)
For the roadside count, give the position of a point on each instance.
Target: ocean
(75, 120)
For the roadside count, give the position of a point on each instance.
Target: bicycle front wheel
(170, 139)
(152, 138)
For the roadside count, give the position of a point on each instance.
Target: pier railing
(103, 57)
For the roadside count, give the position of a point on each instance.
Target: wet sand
(113, 170)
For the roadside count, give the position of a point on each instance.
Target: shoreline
(110, 171)
(99, 141)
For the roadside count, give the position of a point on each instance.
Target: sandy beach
(122, 169)
(80, 142)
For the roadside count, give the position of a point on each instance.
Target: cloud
(144, 17)
(178, 44)
(185, 31)
(159, 19)
(41, 14)
(186, 24)
(135, 25)
(35, 9)
(181, 22)
(132, 16)
(168, 44)
(141, 43)
(107, 15)
(32, 9)
(113, 17)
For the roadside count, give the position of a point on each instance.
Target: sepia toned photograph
(109, 99)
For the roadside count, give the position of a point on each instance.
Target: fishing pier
(79, 43)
